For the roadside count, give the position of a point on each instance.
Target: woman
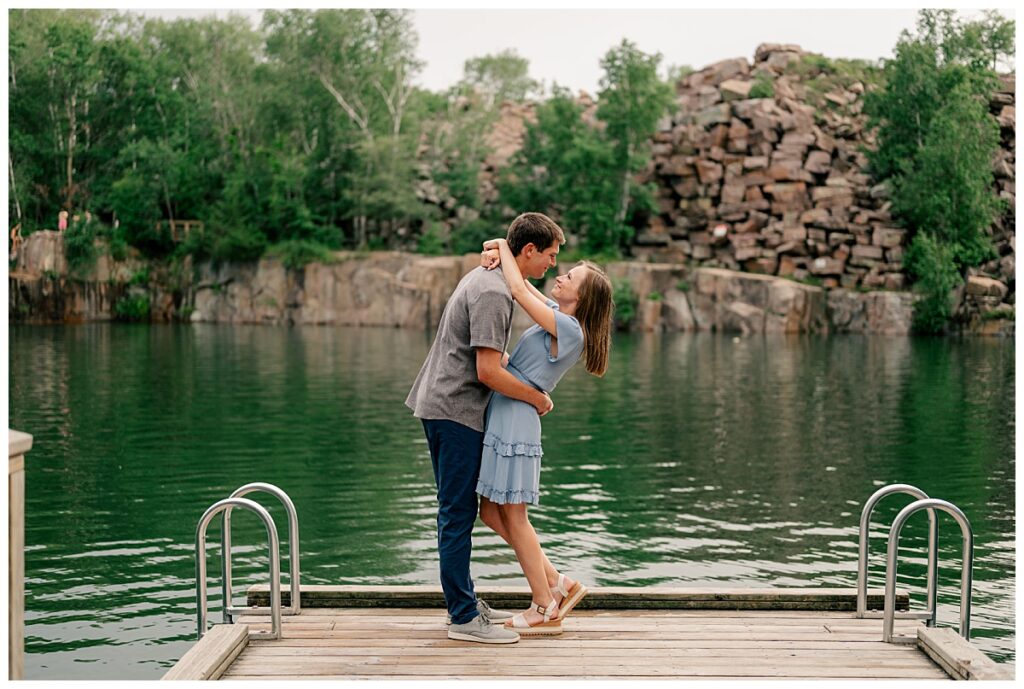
(575, 322)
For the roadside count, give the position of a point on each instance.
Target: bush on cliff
(762, 88)
(931, 263)
(134, 308)
(79, 245)
(430, 242)
(296, 253)
(625, 303)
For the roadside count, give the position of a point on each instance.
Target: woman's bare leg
(531, 557)
(494, 518)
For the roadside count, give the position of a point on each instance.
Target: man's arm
(491, 374)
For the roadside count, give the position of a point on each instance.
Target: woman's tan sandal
(570, 597)
(551, 626)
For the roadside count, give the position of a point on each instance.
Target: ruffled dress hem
(504, 449)
(509, 471)
(507, 497)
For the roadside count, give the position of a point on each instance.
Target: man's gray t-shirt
(478, 314)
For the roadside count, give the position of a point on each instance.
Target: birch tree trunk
(620, 214)
(14, 187)
(72, 139)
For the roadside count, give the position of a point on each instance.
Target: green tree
(585, 171)
(631, 101)
(365, 61)
(499, 77)
(936, 143)
(566, 167)
(931, 263)
(947, 190)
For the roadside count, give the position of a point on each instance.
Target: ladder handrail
(293, 546)
(862, 551)
(275, 564)
(890, 569)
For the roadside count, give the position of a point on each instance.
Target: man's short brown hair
(533, 228)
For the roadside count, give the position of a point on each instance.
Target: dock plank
(617, 633)
(405, 643)
(600, 597)
(213, 655)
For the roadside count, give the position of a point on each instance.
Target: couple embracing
(481, 412)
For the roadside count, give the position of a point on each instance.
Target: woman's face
(567, 286)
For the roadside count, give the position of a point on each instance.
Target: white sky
(566, 45)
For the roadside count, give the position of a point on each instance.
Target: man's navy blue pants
(455, 452)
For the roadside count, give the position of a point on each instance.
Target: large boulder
(881, 313)
(732, 301)
(42, 253)
(384, 289)
(980, 286)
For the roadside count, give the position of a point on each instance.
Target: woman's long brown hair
(595, 310)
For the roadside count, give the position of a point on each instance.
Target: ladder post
(862, 550)
(966, 577)
(275, 565)
(293, 548)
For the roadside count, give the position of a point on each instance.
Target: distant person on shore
(450, 396)
(16, 240)
(62, 221)
(576, 322)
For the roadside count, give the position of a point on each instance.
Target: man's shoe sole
(480, 640)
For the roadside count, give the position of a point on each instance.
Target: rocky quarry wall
(395, 289)
(779, 185)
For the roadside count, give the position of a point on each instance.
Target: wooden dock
(395, 633)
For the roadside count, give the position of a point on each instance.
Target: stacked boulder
(771, 184)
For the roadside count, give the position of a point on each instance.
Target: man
(450, 396)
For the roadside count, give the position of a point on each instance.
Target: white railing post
(18, 444)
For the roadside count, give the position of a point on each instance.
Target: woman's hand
(493, 243)
(490, 258)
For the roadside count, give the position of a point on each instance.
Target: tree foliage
(936, 143)
(582, 166)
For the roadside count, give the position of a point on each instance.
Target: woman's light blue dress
(510, 467)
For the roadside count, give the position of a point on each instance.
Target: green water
(698, 460)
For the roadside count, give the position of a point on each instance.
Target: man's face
(538, 262)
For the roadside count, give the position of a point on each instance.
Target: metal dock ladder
(224, 507)
(889, 613)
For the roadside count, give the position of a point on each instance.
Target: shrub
(239, 243)
(1002, 313)
(762, 88)
(296, 253)
(118, 248)
(140, 277)
(655, 296)
(469, 238)
(132, 308)
(625, 303)
(430, 242)
(79, 246)
(931, 262)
